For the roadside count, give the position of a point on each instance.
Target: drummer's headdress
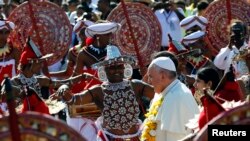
(192, 21)
(82, 24)
(114, 57)
(175, 47)
(193, 37)
(32, 53)
(102, 28)
(4, 24)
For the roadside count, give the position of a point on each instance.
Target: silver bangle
(71, 100)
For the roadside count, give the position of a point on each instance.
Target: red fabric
(1, 112)
(6, 70)
(36, 105)
(27, 53)
(172, 48)
(230, 91)
(211, 109)
(89, 41)
(83, 85)
(101, 136)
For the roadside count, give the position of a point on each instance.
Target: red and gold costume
(7, 66)
(98, 56)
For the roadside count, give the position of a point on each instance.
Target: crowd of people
(184, 74)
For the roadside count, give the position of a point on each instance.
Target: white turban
(102, 28)
(82, 24)
(6, 24)
(193, 37)
(194, 20)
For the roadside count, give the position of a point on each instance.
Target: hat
(114, 56)
(2, 2)
(72, 1)
(175, 46)
(145, 1)
(31, 53)
(82, 24)
(6, 24)
(193, 37)
(194, 20)
(164, 62)
(102, 28)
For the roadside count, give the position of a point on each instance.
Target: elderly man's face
(154, 78)
(115, 72)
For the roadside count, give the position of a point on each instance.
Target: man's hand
(231, 42)
(64, 93)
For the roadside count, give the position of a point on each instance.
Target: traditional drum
(46, 23)
(39, 127)
(146, 29)
(235, 116)
(87, 110)
(217, 14)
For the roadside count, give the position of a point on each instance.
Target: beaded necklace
(31, 82)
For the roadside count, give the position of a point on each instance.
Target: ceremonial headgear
(102, 28)
(2, 2)
(193, 37)
(6, 25)
(114, 56)
(145, 1)
(175, 46)
(194, 20)
(32, 54)
(82, 24)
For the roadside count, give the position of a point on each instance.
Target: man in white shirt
(236, 46)
(169, 18)
(178, 104)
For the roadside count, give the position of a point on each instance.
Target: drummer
(9, 55)
(31, 61)
(118, 97)
(82, 56)
(237, 46)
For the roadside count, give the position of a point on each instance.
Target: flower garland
(150, 125)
